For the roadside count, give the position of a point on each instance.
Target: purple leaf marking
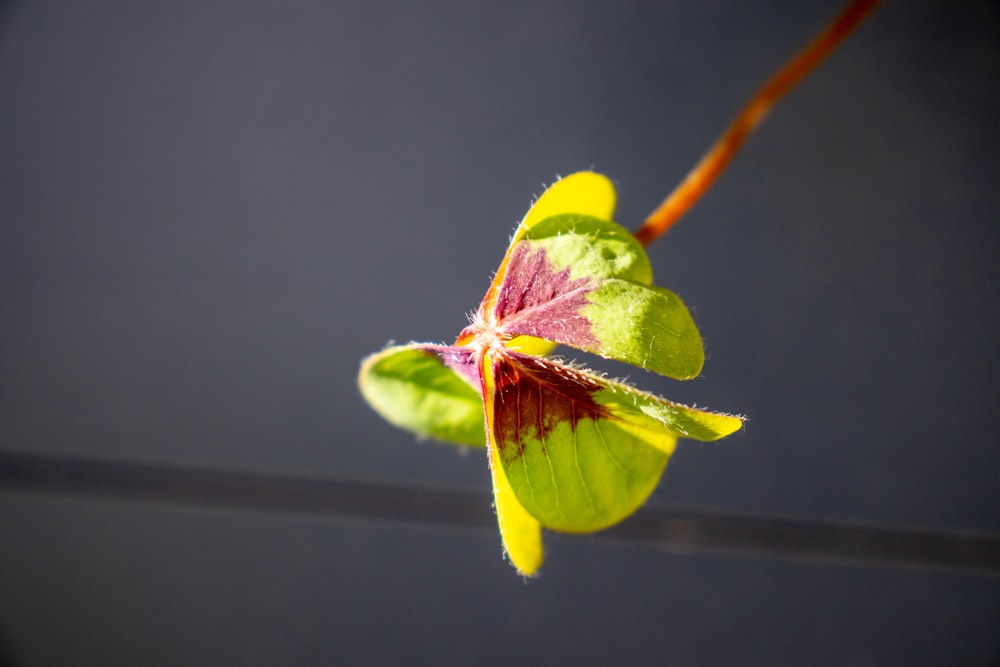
(533, 395)
(536, 300)
(462, 360)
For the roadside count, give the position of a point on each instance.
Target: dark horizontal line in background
(670, 529)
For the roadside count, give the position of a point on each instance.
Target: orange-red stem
(701, 178)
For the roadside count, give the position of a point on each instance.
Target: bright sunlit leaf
(520, 532)
(584, 193)
(581, 452)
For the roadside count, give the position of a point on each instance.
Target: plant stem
(715, 161)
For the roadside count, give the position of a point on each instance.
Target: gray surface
(209, 212)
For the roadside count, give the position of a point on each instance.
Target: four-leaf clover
(569, 450)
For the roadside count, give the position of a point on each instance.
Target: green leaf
(626, 403)
(590, 248)
(584, 282)
(426, 389)
(579, 451)
(557, 257)
(645, 326)
(636, 324)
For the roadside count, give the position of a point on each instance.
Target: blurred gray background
(211, 211)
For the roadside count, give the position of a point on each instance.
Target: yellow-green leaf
(581, 452)
(585, 193)
(520, 532)
(645, 326)
(427, 389)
